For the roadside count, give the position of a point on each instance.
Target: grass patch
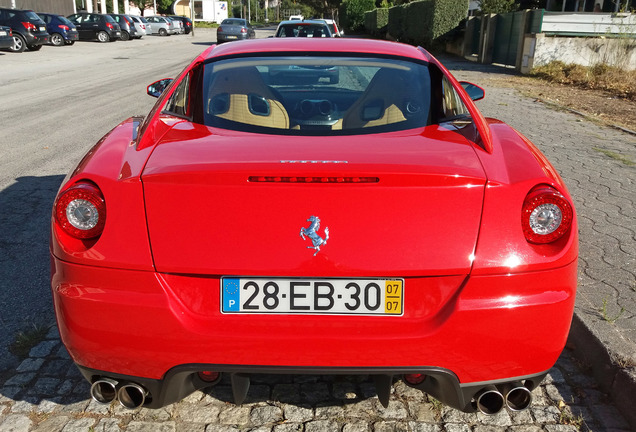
(616, 81)
(606, 316)
(205, 24)
(615, 156)
(25, 340)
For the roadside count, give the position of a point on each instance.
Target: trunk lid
(398, 204)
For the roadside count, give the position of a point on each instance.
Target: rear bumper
(36, 39)
(483, 329)
(183, 380)
(6, 42)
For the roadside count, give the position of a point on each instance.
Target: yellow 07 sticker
(393, 297)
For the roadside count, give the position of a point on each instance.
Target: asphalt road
(54, 105)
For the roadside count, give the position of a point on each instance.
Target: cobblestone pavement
(47, 394)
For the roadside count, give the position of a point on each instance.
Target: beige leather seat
(379, 104)
(241, 95)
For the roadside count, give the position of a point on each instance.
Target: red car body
(484, 309)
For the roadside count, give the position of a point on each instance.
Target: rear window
(316, 95)
(32, 15)
(303, 30)
(233, 22)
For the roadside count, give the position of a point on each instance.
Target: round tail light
(81, 211)
(546, 215)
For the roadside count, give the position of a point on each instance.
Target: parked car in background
(29, 31)
(140, 27)
(335, 32)
(61, 30)
(141, 21)
(128, 31)
(178, 25)
(306, 28)
(187, 22)
(234, 29)
(96, 26)
(6, 37)
(161, 25)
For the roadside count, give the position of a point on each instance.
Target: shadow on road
(25, 300)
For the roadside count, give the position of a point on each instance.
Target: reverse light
(81, 211)
(546, 215)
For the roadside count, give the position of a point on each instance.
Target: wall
(61, 7)
(541, 49)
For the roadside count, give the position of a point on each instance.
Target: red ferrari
(328, 206)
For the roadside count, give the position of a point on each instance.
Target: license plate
(231, 37)
(42, 28)
(312, 296)
(3, 33)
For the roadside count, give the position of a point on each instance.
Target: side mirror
(156, 88)
(474, 91)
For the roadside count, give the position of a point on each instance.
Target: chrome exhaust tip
(104, 390)
(518, 398)
(131, 395)
(489, 401)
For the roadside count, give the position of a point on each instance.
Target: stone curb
(616, 380)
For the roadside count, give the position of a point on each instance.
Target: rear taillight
(63, 27)
(243, 30)
(546, 215)
(81, 211)
(29, 26)
(109, 25)
(220, 29)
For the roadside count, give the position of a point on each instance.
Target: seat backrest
(381, 102)
(241, 95)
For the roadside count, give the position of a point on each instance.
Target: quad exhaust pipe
(514, 396)
(518, 397)
(130, 395)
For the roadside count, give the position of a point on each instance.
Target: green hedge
(352, 13)
(376, 21)
(422, 22)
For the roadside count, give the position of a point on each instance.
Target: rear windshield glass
(316, 95)
(303, 30)
(32, 15)
(233, 22)
(66, 21)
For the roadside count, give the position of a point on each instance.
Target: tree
(142, 4)
(497, 6)
(352, 13)
(325, 8)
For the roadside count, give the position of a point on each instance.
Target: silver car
(161, 25)
(140, 27)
